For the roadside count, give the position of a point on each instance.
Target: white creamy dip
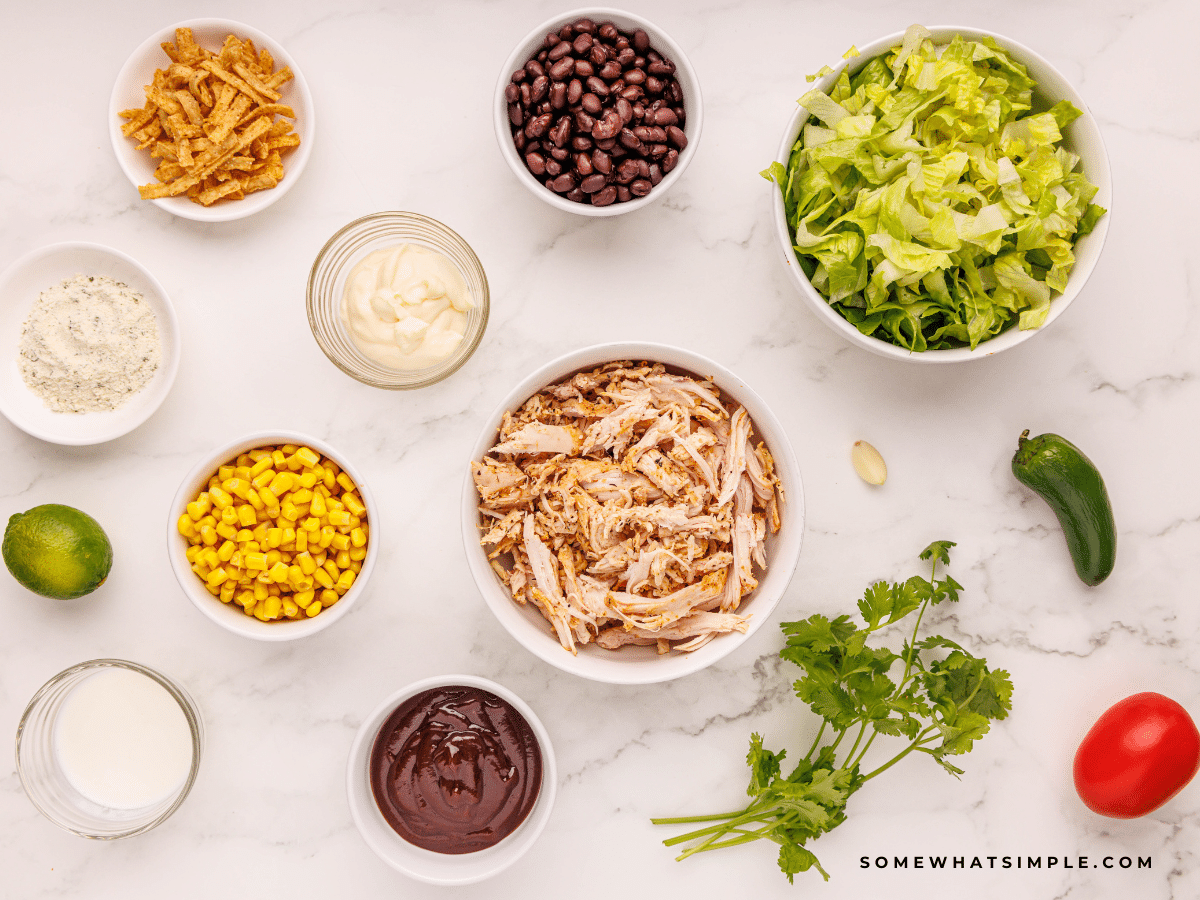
(406, 307)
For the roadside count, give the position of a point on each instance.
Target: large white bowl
(640, 665)
(229, 615)
(1082, 137)
(427, 865)
(19, 288)
(693, 106)
(128, 93)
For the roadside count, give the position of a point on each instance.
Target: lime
(57, 551)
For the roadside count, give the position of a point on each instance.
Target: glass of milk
(109, 748)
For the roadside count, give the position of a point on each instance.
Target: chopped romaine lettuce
(928, 202)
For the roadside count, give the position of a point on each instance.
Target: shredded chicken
(629, 505)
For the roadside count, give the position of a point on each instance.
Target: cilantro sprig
(941, 704)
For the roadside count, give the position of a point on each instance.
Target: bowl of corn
(273, 536)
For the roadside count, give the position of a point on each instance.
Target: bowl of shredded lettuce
(941, 195)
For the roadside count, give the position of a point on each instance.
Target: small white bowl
(1081, 137)
(693, 106)
(427, 865)
(229, 615)
(632, 664)
(128, 93)
(19, 288)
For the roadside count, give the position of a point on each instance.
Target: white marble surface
(402, 91)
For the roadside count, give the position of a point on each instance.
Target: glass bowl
(337, 258)
(47, 784)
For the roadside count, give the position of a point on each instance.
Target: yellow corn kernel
(289, 449)
(280, 484)
(208, 534)
(259, 452)
(332, 503)
(261, 465)
(300, 496)
(201, 569)
(321, 577)
(288, 510)
(255, 560)
(303, 598)
(268, 500)
(308, 456)
(229, 516)
(306, 563)
(279, 458)
(217, 577)
(197, 508)
(274, 537)
(213, 589)
(342, 559)
(210, 520)
(260, 592)
(289, 535)
(244, 535)
(220, 498)
(339, 518)
(226, 531)
(256, 501)
(227, 590)
(247, 517)
(260, 612)
(358, 554)
(345, 580)
(263, 478)
(313, 608)
(186, 526)
(244, 598)
(329, 597)
(301, 541)
(192, 553)
(308, 479)
(327, 533)
(242, 472)
(224, 472)
(274, 606)
(340, 542)
(260, 533)
(293, 463)
(318, 507)
(209, 557)
(252, 547)
(279, 572)
(353, 503)
(235, 559)
(329, 476)
(320, 556)
(273, 556)
(290, 608)
(226, 551)
(239, 487)
(355, 566)
(243, 459)
(358, 537)
(346, 482)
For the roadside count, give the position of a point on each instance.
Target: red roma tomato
(1137, 756)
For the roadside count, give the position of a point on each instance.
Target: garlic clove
(868, 463)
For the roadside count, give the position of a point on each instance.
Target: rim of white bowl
(221, 211)
(378, 834)
(228, 615)
(1100, 175)
(621, 667)
(693, 106)
(158, 387)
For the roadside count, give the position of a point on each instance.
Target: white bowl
(1081, 137)
(19, 288)
(659, 40)
(128, 93)
(229, 615)
(631, 664)
(427, 865)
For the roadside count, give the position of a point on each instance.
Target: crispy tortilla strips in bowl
(211, 120)
(633, 512)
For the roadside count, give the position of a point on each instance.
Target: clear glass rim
(323, 307)
(186, 704)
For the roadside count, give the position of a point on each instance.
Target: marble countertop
(403, 92)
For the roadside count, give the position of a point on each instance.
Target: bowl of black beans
(598, 112)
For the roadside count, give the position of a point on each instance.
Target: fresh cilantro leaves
(940, 703)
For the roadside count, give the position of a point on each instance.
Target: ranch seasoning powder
(89, 345)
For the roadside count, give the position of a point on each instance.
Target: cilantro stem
(861, 731)
(915, 745)
(816, 740)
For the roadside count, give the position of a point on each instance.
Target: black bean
(624, 110)
(640, 188)
(608, 31)
(592, 183)
(665, 116)
(538, 89)
(591, 103)
(605, 197)
(610, 71)
(623, 195)
(676, 136)
(574, 91)
(607, 127)
(661, 67)
(576, 196)
(635, 76)
(655, 174)
(627, 171)
(653, 85)
(581, 142)
(657, 151)
(596, 86)
(627, 58)
(598, 55)
(601, 161)
(583, 164)
(584, 69)
(582, 44)
(553, 168)
(559, 153)
(583, 121)
(562, 68)
(518, 76)
(669, 162)
(515, 116)
(536, 163)
(558, 95)
(537, 126)
(512, 93)
(641, 41)
(562, 183)
(585, 26)
(561, 48)
(533, 68)
(629, 140)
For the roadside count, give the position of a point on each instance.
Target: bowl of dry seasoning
(92, 343)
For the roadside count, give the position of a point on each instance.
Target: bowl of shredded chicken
(633, 512)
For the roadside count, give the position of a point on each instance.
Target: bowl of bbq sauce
(451, 779)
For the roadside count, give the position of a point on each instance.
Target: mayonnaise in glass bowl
(335, 265)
